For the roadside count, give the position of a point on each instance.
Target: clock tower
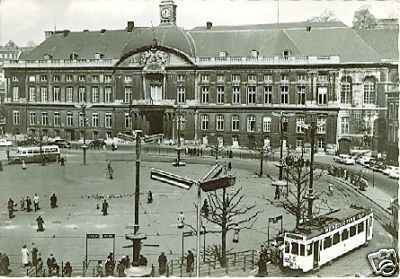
(167, 12)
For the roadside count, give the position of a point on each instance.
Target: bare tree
(257, 144)
(228, 213)
(326, 16)
(363, 18)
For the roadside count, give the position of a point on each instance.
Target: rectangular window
(128, 95)
(322, 95)
(82, 78)
(336, 238)
(220, 122)
(309, 249)
(181, 95)
(220, 78)
(344, 128)
(353, 230)
(82, 94)
(68, 78)
(205, 94)
(128, 121)
(69, 94)
(220, 94)
(32, 118)
(346, 92)
(128, 78)
(204, 122)
(205, 78)
(107, 78)
(360, 227)
(95, 120)
(43, 78)
(301, 77)
(323, 77)
(268, 95)
(345, 234)
(16, 118)
(268, 78)
(301, 95)
(95, 94)
(57, 119)
(56, 94)
(236, 95)
(95, 78)
(32, 78)
(108, 94)
(235, 78)
(56, 78)
(327, 242)
(70, 119)
(321, 124)
(284, 77)
(43, 94)
(300, 122)
(284, 95)
(369, 92)
(295, 248)
(251, 78)
(251, 123)
(32, 94)
(251, 95)
(108, 120)
(302, 249)
(235, 122)
(15, 91)
(45, 119)
(321, 143)
(180, 78)
(267, 124)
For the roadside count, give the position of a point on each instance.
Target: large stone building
(228, 82)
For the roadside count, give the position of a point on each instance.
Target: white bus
(35, 154)
(339, 232)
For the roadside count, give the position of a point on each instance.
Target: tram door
(316, 254)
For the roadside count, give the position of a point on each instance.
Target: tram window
(295, 248)
(327, 242)
(336, 238)
(302, 249)
(286, 247)
(309, 249)
(345, 234)
(360, 227)
(352, 230)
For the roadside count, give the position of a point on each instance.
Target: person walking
(149, 197)
(25, 256)
(39, 268)
(40, 222)
(67, 271)
(142, 260)
(62, 161)
(104, 207)
(162, 263)
(262, 268)
(53, 201)
(50, 264)
(99, 269)
(8, 153)
(121, 269)
(10, 207)
(34, 253)
(22, 203)
(277, 193)
(28, 204)
(5, 264)
(330, 187)
(189, 261)
(36, 202)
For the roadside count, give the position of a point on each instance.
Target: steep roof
(383, 41)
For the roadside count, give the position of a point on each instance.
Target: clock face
(166, 13)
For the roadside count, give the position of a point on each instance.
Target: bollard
(62, 268)
(93, 272)
(244, 265)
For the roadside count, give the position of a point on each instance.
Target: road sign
(108, 235)
(172, 179)
(218, 183)
(92, 235)
(214, 172)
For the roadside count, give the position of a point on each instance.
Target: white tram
(333, 235)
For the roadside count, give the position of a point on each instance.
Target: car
(97, 143)
(5, 142)
(364, 160)
(62, 143)
(395, 173)
(344, 159)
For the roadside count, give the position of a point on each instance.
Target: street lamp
(178, 121)
(83, 107)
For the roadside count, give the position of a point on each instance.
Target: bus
(339, 232)
(35, 154)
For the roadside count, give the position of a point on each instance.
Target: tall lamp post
(83, 107)
(178, 162)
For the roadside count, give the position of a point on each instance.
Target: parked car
(344, 159)
(5, 142)
(395, 173)
(62, 143)
(96, 143)
(364, 160)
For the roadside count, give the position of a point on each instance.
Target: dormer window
(47, 57)
(254, 53)
(98, 55)
(286, 54)
(223, 54)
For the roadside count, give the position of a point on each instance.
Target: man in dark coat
(121, 269)
(28, 204)
(142, 260)
(189, 261)
(104, 207)
(262, 268)
(162, 263)
(53, 201)
(34, 253)
(5, 263)
(50, 264)
(10, 207)
(40, 223)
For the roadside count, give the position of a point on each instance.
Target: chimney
(209, 25)
(66, 32)
(308, 28)
(47, 34)
(130, 26)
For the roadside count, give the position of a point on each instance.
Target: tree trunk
(261, 164)
(224, 230)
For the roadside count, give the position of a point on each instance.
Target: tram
(35, 154)
(327, 237)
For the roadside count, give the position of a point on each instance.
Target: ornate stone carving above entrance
(154, 59)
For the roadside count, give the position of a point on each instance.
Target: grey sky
(24, 20)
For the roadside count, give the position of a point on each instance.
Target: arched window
(369, 90)
(346, 90)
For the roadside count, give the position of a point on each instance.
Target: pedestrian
(121, 269)
(330, 189)
(150, 197)
(56, 269)
(10, 207)
(62, 161)
(162, 263)
(50, 264)
(5, 263)
(39, 268)
(277, 193)
(34, 253)
(67, 269)
(142, 260)
(189, 261)
(262, 268)
(36, 202)
(229, 165)
(113, 147)
(108, 265)
(53, 201)
(205, 208)
(8, 153)
(127, 261)
(25, 256)
(28, 204)
(23, 165)
(181, 219)
(104, 207)
(40, 222)
(230, 154)
(22, 203)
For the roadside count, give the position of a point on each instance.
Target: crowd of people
(354, 178)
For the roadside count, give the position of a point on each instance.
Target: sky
(26, 20)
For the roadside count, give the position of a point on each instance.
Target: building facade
(225, 82)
